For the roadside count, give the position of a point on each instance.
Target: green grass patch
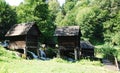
(6, 55)
(38, 66)
(89, 62)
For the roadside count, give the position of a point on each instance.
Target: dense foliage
(99, 19)
(7, 18)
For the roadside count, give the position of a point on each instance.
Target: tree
(25, 11)
(38, 11)
(7, 18)
(44, 20)
(54, 7)
(112, 30)
(59, 18)
(69, 5)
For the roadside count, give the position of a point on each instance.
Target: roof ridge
(67, 31)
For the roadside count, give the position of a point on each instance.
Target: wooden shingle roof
(20, 29)
(68, 31)
(86, 45)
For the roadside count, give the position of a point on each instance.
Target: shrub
(118, 56)
(50, 52)
(109, 52)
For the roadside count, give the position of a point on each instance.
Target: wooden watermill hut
(24, 37)
(69, 41)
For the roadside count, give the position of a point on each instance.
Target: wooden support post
(78, 52)
(58, 54)
(58, 51)
(75, 54)
(26, 48)
(38, 53)
(25, 53)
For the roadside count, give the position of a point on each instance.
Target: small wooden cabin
(24, 37)
(87, 49)
(68, 41)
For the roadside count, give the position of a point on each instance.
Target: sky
(61, 2)
(14, 2)
(17, 2)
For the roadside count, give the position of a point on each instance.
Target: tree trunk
(116, 63)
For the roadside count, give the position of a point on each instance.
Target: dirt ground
(109, 65)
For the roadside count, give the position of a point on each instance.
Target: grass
(38, 66)
(9, 63)
(6, 55)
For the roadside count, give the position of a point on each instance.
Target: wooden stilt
(58, 54)
(38, 53)
(75, 54)
(25, 53)
(38, 46)
(26, 48)
(78, 52)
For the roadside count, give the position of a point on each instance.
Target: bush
(50, 52)
(118, 56)
(109, 52)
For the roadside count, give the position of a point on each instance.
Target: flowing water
(33, 54)
(42, 54)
